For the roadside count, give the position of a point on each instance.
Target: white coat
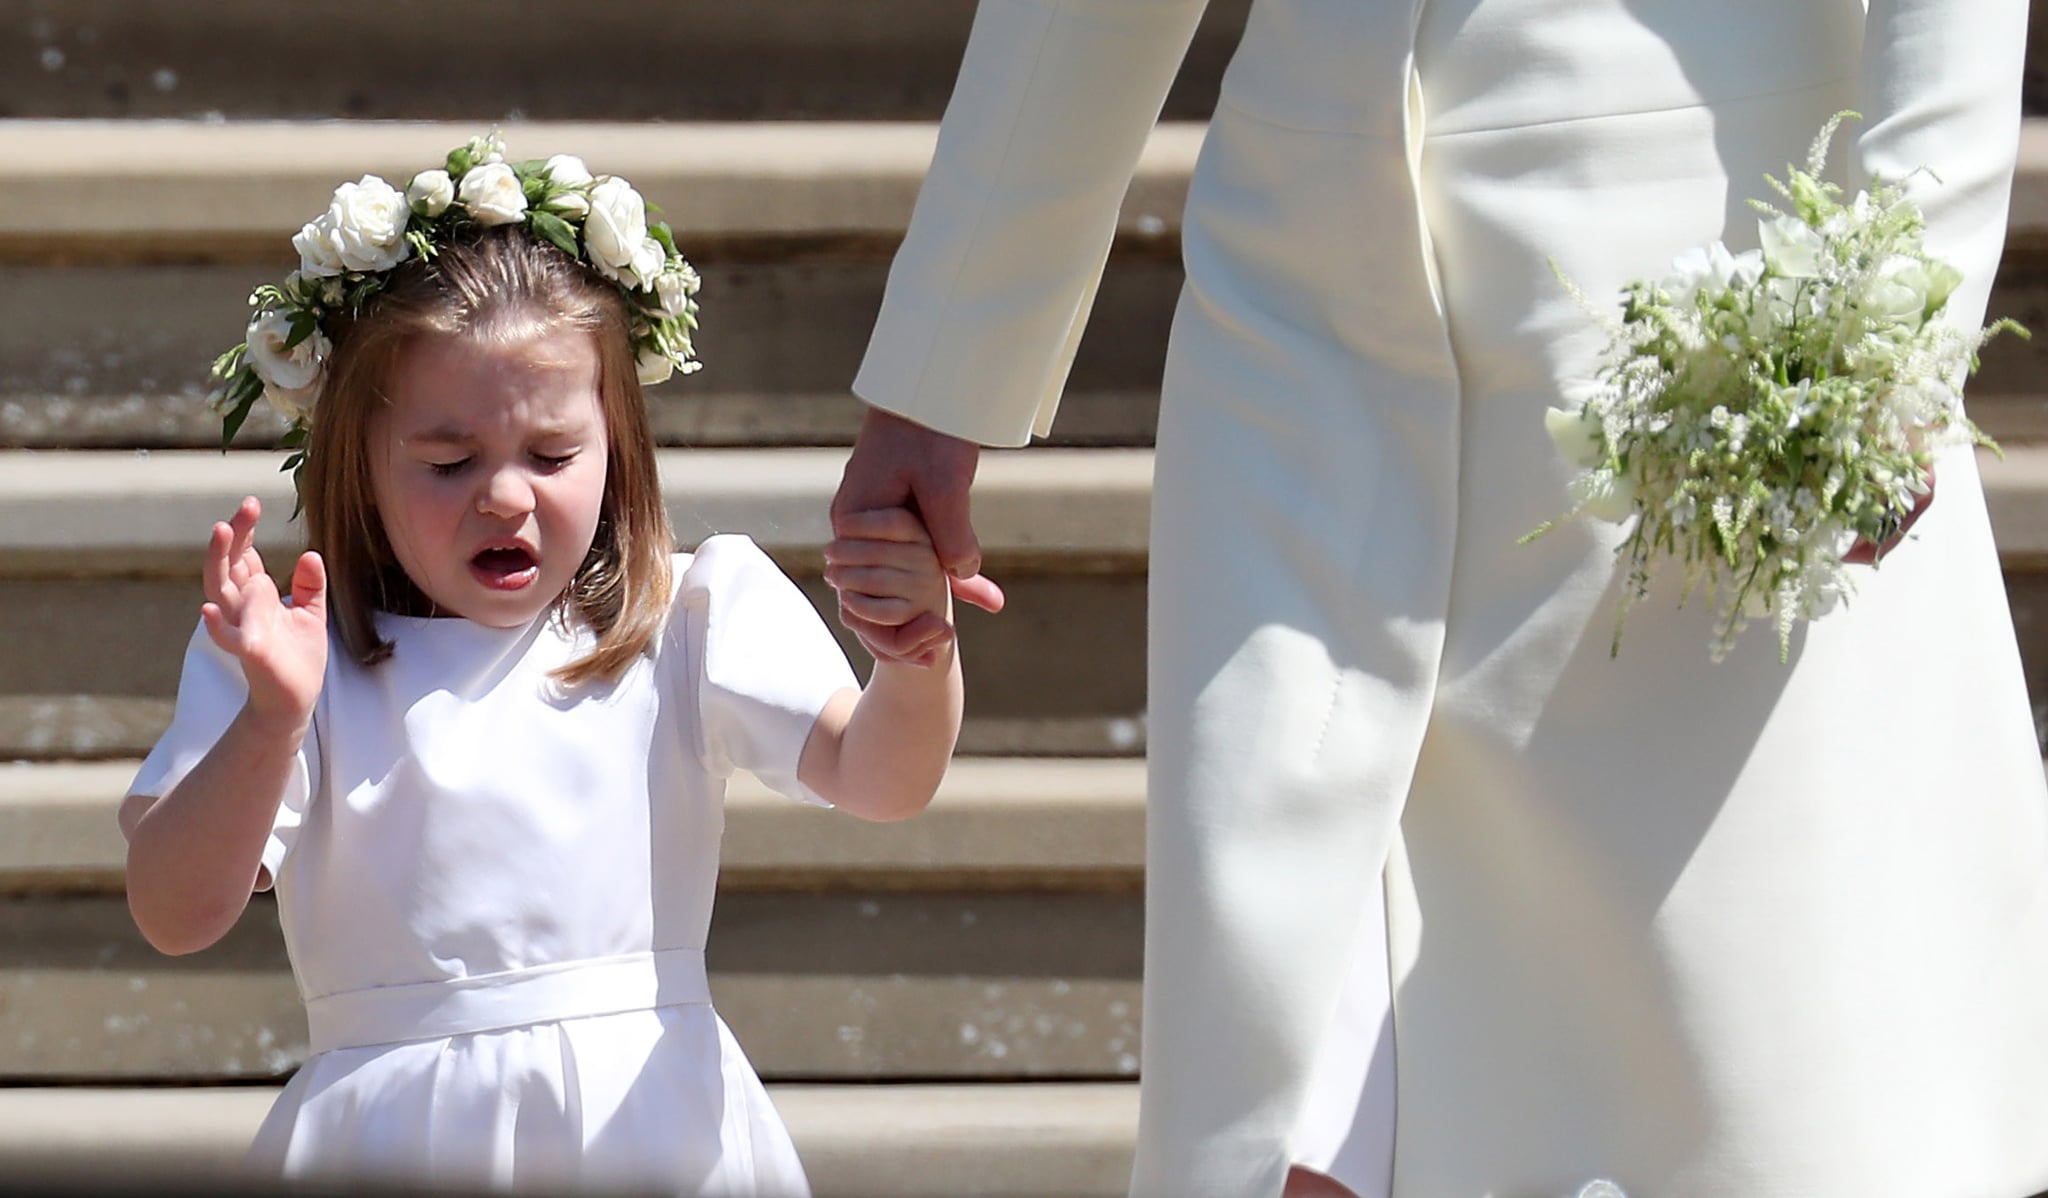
(1711, 931)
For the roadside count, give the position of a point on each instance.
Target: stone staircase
(944, 1006)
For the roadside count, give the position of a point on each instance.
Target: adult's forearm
(194, 854)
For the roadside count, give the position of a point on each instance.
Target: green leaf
(460, 160)
(294, 437)
(304, 325)
(660, 231)
(555, 229)
(236, 417)
(534, 187)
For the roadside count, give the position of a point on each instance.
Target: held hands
(902, 465)
(887, 575)
(283, 649)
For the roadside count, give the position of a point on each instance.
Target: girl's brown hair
(505, 287)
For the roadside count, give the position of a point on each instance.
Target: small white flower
(1701, 266)
(1792, 248)
(291, 377)
(319, 256)
(615, 233)
(1577, 438)
(653, 366)
(493, 194)
(430, 192)
(673, 289)
(488, 148)
(1604, 495)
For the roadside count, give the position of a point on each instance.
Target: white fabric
(496, 896)
(1746, 931)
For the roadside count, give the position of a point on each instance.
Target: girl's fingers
(879, 580)
(215, 575)
(882, 524)
(243, 560)
(849, 551)
(223, 634)
(309, 585)
(907, 643)
(877, 609)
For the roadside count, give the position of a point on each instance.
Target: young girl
(482, 748)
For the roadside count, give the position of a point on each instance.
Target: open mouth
(506, 568)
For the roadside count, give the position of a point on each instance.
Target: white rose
(1900, 289)
(1791, 246)
(569, 171)
(654, 366)
(1701, 265)
(291, 377)
(366, 225)
(493, 194)
(1577, 438)
(430, 192)
(615, 233)
(673, 289)
(319, 256)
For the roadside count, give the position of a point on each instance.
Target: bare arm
(195, 853)
(881, 753)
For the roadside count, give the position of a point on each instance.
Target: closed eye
(448, 469)
(555, 461)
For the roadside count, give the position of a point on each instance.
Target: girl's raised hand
(282, 648)
(886, 572)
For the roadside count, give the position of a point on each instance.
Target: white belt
(513, 998)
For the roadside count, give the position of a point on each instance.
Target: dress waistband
(515, 997)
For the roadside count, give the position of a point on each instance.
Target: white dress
(496, 898)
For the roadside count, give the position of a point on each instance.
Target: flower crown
(346, 256)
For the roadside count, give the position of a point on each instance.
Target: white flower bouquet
(347, 253)
(1760, 414)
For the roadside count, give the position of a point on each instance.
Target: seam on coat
(1293, 127)
(1623, 114)
(945, 296)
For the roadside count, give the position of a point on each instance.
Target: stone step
(791, 224)
(997, 935)
(1044, 1140)
(99, 562)
(872, 983)
(784, 59)
(396, 59)
(997, 824)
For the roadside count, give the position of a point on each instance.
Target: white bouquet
(1762, 413)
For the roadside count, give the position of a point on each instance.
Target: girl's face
(488, 470)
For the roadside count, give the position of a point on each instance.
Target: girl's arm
(194, 854)
(880, 753)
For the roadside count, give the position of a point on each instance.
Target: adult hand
(900, 463)
(1867, 553)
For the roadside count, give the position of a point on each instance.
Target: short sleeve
(211, 691)
(761, 663)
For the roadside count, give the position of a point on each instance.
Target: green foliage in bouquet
(1761, 413)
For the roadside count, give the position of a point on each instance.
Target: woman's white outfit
(1732, 931)
(496, 896)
